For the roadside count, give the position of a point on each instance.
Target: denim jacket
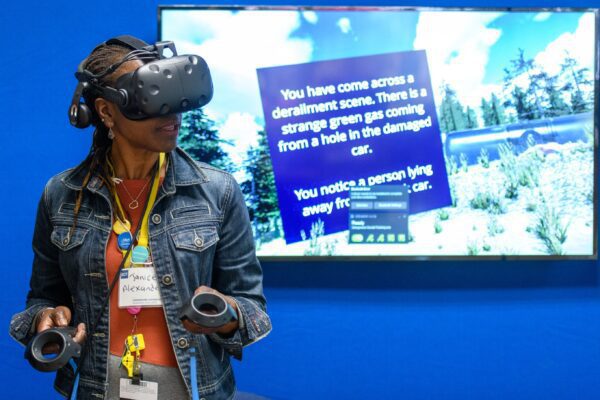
(200, 234)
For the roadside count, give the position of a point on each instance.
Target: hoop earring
(111, 134)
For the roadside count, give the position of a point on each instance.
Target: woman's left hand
(226, 329)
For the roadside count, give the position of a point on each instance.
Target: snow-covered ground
(565, 182)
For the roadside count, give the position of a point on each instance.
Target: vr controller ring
(68, 348)
(194, 310)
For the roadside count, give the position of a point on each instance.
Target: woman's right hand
(56, 318)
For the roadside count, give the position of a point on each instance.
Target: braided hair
(99, 61)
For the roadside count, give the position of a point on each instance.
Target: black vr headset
(166, 85)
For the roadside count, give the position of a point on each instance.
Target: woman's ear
(105, 110)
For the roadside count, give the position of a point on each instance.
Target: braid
(95, 162)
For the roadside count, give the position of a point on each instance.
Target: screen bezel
(596, 78)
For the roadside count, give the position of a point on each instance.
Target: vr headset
(166, 85)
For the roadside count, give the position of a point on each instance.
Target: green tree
(452, 117)
(493, 112)
(199, 138)
(486, 111)
(576, 80)
(521, 104)
(556, 106)
(578, 103)
(471, 119)
(523, 66)
(498, 110)
(260, 191)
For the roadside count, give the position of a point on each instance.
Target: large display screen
(390, 133)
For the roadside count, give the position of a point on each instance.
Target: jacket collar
(182, 170)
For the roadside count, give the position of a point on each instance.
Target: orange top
(151, 320)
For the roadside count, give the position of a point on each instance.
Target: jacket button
(198, 242)
(156, 219)
(66, 241)
(182, 343)
(167, 279)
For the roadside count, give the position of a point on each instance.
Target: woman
(195, 236)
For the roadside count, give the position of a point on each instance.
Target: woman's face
(155, 134)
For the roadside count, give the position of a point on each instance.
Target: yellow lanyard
(143, 235)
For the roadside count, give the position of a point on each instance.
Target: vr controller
(68, 348)
(164, 86)
(208, 310)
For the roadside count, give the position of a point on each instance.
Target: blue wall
(416, 330)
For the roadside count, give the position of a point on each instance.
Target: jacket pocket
(65, 239)
(197, 239)
(200, 209)
(68, 210)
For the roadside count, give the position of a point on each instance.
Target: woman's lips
(170, 129)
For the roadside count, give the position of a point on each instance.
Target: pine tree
(471, 121)
(260, 191)
(493, 111)
(578, 103)
(486, 112)
(520, 66)
(497, 111)
(577, 79)
(199, 138)
(452, 116)
(521, 104)
(555, 104)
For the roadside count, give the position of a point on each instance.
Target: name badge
(146, 390)
(138, 287)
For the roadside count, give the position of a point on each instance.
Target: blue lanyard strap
(193, 375)
(76, 383)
